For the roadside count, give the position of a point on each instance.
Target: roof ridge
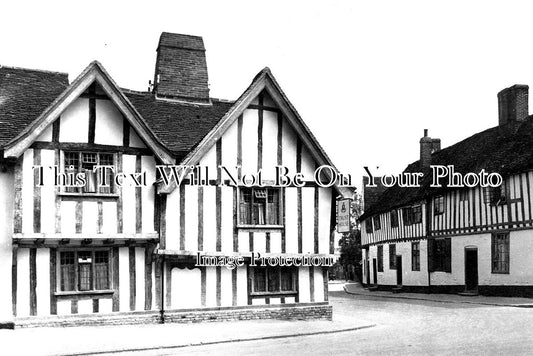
(33, 70)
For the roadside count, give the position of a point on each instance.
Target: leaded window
(84, 270)
(260, 206)
(84, 162)
(500, 253)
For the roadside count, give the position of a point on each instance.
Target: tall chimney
(181, 68)
(513, 104)
(428, 146)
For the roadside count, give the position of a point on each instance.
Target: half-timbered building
(122, 246)
(463, 240)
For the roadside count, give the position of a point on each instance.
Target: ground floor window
(84, 270)
(392, 256)
(380, 258)
(273, 280)
(415, 256)
(500, 253)
(440, 254)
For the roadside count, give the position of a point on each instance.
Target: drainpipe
(162, 311)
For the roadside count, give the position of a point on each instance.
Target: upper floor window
(394, 218)
(494, 195)
(412, 215)
(84, 162)
(260, 206)
(368, 226)
(438, 205)
(81, 271)
(377, 222)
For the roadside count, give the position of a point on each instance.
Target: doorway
(471, 272)
(399, 270)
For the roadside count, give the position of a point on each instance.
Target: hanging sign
(343, 215)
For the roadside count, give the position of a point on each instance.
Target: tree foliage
(350, 242)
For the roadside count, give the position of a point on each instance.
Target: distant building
(472, 240)
(124, 253)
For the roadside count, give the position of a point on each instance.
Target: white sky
(366, 76)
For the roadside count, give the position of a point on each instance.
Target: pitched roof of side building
(505, 149)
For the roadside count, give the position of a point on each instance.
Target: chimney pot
(428, 146)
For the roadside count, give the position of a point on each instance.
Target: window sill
(76, 196)
(274, 294)
(84, 293)
(259, 227)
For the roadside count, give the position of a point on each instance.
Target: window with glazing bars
(273, 280)
(415, 256)
(84, 162)
(84, 270)
(500, 253)
(259, 206)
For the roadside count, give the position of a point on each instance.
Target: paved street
(402, 327)
(388, 324)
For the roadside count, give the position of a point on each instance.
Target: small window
(415, 256)
(273, 280)
(380, 258)
(438, 205)
(84, 270)
(494, 195)
(368, 226)
(377, 223)
(84, 162)
(392, 256)
(394, 218)
(260, 206)
(500, 253)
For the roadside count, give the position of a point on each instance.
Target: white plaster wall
(172, 219)
(23, 282)
(75, 122)
(128, 196)
(303, 285)
(148, 194)
(242, 286)
(27, 192)
(308, 164)
(139, 278)
(308, 220)
(85, 306)
(319, 284)
(191, 218)
(227, 219)
(6, 252)
(124, 278)
(64, 307)
(291, 220)
(259, 242)
(324, 217)
(105, 306)
(226, 287)
(288, 139)
(250, 124)
(186, 288)
(135, 140)
(68, 217)
(108, 128)
(210, 287)
(270, 144)
(90, 217)
(275, 242)
(48, 193)
(244, 241)
(210, 232)
(109, 222)
(42, 263)
(229, 147)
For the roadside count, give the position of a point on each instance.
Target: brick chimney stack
(428, 146)
(513, 104)
(181, 69)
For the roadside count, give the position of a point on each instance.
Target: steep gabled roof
(24, 94)
(505, 149)
(180, 126)
(95, 72)
(264, 80)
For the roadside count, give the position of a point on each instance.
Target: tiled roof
(180, 126)
(505, 149)
(24, 94)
